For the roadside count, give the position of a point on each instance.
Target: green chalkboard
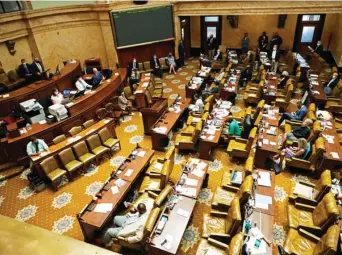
(142, 25)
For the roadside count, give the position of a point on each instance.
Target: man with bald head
(37, 69)
(97, 77)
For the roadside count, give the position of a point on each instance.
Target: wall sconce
(281, 20)
(233, 20)
(10, 46)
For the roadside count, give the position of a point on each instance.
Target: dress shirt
(331, 82)
(274, 54)
(39, 67)
(57, 99)
(97, 78)
(82, 85)
(32, 148)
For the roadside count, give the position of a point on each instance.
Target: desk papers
(303, 190)
(129, 172)
(191, 182)
(254, 250)
(106, 121)
(167, 242)
(211, 137)
(158, 166)
(198, 172)
(115, 190)
(262, 201)
(141, 153)
(103, 207)
(190, 192)
(183, 213)
(335, 155)
(201, 165)
(264, 179)
(120, 182)
(195, 160)
(160, 130)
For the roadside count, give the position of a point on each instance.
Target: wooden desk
(266, 191)
(71, 141)
(190, 175)
(319, 99)
(193, 87)
(167, 120)
(229, 91)
(204, 73)
(152, 114)
(206, 146)
(91, 221)
(140, 97)
(41, 89)
(270, 90)
(175, 226)
(267, 150)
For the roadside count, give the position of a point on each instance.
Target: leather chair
(52, 171)
(156, 84)
(154, 93)
(188, 141)
(301, 242)
(318, 149)
(114, 111)
(75, 130)
(157, 89)
(156, 182)
(59, 139)
(141, 68)
(241, 147)
(156, 166)
(163, 65)
(283, 101)
(69, 161)
(315, 219)
(249, 165)
(8, 82)
(223, 225)
(128, 93)
(148, 96)
(97, 148)
(221, 248)
(319, 190)
(210, 100)
(252, 96)
(223, 196)
(315, 132)
(108, 141)
(88, 123)
(83, 154)
(147, 67)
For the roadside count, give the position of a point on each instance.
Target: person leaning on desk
(81, 84)
(97, 77)
(36, 146)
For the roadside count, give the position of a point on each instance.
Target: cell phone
(257, 243)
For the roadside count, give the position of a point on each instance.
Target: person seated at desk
(329, 86)
(129, 226)
(97, 77)
(57, 97)
(156, 66)
(172, 63)
(213, 90)
(283, 79)
(25, 71)
(124, 103)
(82, 84)
(233, 127)
(247, 126)
(36, 146)
(37, 69)
(198, 106)
(298, 115)
(246, 76)
(218, 56)
(299, 132)
(318, 49)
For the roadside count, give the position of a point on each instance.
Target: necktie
(37, 147)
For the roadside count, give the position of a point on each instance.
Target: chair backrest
(147, 65)
(12, 75)
(312, 107)
(205, 117)
(162, 62)
(59, 139)
(245, 190)
(94, 141)
(4, 78)
(148, 97)
(127, 91)
(165, 173)
(233, 220)
(75, 130)
(101, 113)
(249, 165)
(251, 137)
(206, 107)
(66, 156)
(317, 149)
(311, 115)
(80, 149)
(289, 93)
(110, 107)
(198, 131)
(88, 123)
(49, 165)
(326, 212)
(259, 107)
(235, 246)
(323, 185)
(328, 242)
(104, 134)
(316, 130)
(150, 223)
(260, 89)
(150, 89)
(140, 67)
(170, 153)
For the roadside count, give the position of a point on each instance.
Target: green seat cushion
(111, 142)
(73, 165)
(54, 175)
(99, 150)
(87, 157)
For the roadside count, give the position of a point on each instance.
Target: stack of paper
(202, 165)
(161, 130)
(303, 190)
(264, 179)
(103, 207)
(262, 201)
(198, 172)
(191, 192)
(191, 182)
(183, 213)
(120, 182)
(115, 190)
(141, 153)
(129, 172)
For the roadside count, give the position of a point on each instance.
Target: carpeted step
(11, 172)
(8, 165)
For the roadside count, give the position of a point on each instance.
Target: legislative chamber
(171, 127)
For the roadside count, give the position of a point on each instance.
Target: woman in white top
(124, 104)
(81, 84)
(198, 106)
(56, 97)
(172, 63)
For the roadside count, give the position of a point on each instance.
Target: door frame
(298, 32)
(204, 26)
(187, 37)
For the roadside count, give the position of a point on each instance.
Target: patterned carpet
(56, 211)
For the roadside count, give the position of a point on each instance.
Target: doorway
(308, 32)
(210, 25)
(185, 35)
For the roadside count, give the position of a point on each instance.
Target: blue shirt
(300, 113)
(31, 148)
(97, 78)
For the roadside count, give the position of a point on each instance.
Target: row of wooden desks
(193, 86)
(230, 86)
(179, 210)
(270, 89)
(113, 192)
(316, 90)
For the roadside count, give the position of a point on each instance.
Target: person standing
(181, 53)
(211, 46)
(274, 56)
(276, 40)
(37, 69)
(263, 42)
(245, 43)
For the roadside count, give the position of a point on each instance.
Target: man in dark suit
(283, 79)
(263, 42)
(132, 66)
(211, 46)
(38, 69)
(156, 66)
(319, 48)
(246, 76)
(274, 55)
(276, 40)
(181, 53)
(331, 84)
(25, 71)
